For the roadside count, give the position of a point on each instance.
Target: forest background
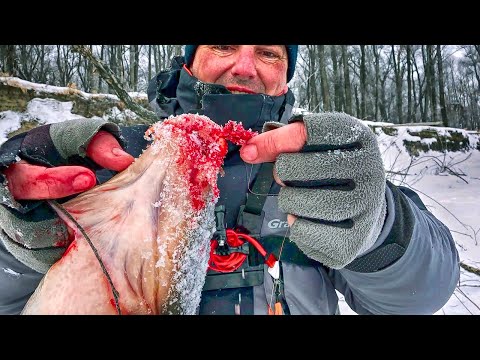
(399, 84)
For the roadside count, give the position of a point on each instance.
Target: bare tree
(65, 64)
(311, 73)
(408, 49)
(337, 86)
(346, 81)
(431, 71)
(441, 88)
(9, 57)
(376, 54)
(133, 73)
(421, 86)
(85, 74)
(363, 83)
(323, 78)
(398, 70)
(115, 83)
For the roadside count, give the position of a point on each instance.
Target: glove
(31, 230)
(335, 186)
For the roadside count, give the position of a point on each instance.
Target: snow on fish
(150, 227)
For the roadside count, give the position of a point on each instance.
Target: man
(348, 228)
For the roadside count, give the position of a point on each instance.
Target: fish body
(151, 226)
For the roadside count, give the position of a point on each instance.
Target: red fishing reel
(227, 255)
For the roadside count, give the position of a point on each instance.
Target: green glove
(37, 239)
(31, 230)
(336, 187)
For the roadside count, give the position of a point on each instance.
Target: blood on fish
(72, 246)
(201, 163)
(149, 227)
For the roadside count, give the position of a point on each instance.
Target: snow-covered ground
(452, 199)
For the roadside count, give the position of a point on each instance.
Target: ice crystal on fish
(151, 225)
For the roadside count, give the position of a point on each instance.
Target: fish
(141, 241)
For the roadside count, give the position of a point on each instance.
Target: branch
(436, 123)
(469, 268)
(468, 298)
(113, 81)
(456, 218)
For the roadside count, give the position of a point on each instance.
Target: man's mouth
(240, 90)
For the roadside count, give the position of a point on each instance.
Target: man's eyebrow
(282, 47)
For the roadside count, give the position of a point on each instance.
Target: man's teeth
(239, 92)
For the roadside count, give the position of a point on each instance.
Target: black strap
(260, 189)
(250, 216)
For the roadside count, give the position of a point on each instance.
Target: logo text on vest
(277, 224)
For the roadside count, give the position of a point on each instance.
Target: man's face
(243, 68)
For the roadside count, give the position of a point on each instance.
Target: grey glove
(336, 187)
(31, 230)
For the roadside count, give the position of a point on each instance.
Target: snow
(452, 199)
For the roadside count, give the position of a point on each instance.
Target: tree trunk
(363, 84)
(149, 62)
(133, 76)
(420, 90)
(433, 93)
(11, 64)
(409, 83)
(115, 84)
(336, 80)
(441, 88)
(428, 86)
(102, 58)
(15, 95)
(396, 58)
(346, 81)
(377, 80)
(323, 78)
(312, 94)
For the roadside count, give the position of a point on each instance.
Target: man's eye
(269, 56)
(223, 47)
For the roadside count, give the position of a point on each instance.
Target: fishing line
(276, 282)
(55, 204)
(248, 175)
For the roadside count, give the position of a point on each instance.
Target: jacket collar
(175, 92)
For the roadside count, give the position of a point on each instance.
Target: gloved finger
(291, 219)
(324, 243)
(38, 238)
(276, 177)
(328, 205)
(337, 130)
(106, 151)
(332, 245)
(32, 182)
(267, 146)
(342, 168)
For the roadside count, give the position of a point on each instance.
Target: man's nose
(245, 66)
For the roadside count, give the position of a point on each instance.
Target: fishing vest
(239, 253)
